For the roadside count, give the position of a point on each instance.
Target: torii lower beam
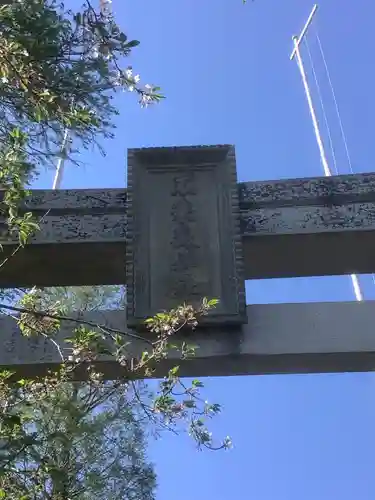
(278, 339)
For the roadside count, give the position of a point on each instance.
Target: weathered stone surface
(279, 338)
(77, 200)
(183, 233)
(62, 201)
(308, 227)
(308, 219)
(336, 190)
(297, 227)
(81, 241)
(76, 228)
(183, 240)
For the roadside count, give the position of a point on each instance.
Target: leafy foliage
(58, 70)
(76, 440)
(60, 438)
(70, 440)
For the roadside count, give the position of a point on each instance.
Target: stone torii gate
(184, 229)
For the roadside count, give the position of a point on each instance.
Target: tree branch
(75, 320)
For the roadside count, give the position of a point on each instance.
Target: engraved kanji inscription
(183, 240)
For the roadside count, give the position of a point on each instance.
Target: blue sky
(225, 70)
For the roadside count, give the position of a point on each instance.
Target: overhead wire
(354, 278)
(343, 135)
(334, 100)
(333, 154)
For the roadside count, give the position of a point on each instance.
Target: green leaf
(145, 356)
(122, 37)
(6, 374)
(189, 403)
(197, 383)
(132, 43)
(174, 371)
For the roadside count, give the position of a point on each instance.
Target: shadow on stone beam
(279, 339)
(81, 241)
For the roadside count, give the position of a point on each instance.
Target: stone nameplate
(183, 233)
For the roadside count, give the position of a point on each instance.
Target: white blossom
(94, 53)
(129, 73)
(146, 97)
(228, 443)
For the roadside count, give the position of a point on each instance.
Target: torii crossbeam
(185, 229)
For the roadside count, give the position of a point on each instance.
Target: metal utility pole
(106, 11)
(60, 164)
(327, 171)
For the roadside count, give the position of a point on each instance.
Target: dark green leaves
(132, 43)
